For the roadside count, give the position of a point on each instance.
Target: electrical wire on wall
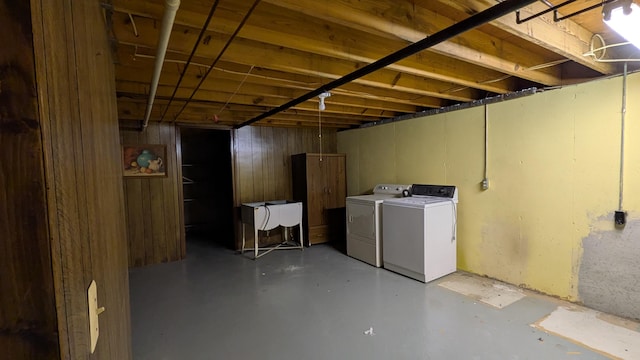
(133, 25)
(485, 180)
(454, 213)
(620, 215)
(598, 53)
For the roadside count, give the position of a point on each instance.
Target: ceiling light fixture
(321, 108)
(623, 16)
(322, 96)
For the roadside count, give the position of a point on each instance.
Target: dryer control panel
(390, 189)
(444, 191)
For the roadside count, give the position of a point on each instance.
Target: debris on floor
(291, 268)
(369, 331)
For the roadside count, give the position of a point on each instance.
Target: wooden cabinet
(319, 182)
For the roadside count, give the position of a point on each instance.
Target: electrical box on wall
(485, 184)
(620, 218)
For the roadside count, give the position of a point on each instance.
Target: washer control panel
(444, 191)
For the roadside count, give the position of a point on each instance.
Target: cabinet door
(316, 190)
(335, 180)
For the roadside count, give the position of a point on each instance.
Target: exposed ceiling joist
(566, 38)
(291, 47)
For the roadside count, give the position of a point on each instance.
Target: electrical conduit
(622, 127)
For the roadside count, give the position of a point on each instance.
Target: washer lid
(418, 202)
(373, 198)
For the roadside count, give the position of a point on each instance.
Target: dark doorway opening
(207, 183)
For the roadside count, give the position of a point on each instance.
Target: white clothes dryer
(364, 222)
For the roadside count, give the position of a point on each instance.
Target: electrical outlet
(485, 184)
(620, 218)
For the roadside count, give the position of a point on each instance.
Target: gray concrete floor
(317, 304)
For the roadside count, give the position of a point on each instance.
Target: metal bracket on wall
(555, 8)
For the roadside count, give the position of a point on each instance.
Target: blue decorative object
(143, 159)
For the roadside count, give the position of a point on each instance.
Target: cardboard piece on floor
(488, 291)
(594, 330)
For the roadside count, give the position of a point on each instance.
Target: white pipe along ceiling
(171, 8)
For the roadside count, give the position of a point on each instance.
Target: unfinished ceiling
(283, 49)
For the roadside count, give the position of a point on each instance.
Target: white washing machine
(364, 222)
(420, 232)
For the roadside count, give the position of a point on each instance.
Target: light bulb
(322, 96)
(626, 25)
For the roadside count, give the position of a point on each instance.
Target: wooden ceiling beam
(226, 84)
(411, 23)
(279, 26)
(200, 120)
(133, 104)
(427, 95)
(298, 124)
(326, 118)
(354, 89)
(196, 119)
(428, 67)
(292, 61)
(293, 47)
(565, 38)
(333, 105)
(136, 105)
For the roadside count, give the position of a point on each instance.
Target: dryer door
(361, 220)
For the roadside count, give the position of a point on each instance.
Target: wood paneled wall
(262, 164)
(28, 326)
(153, 206)
(61, 214)
(262, 171)
(262, 159)
(76, 91)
